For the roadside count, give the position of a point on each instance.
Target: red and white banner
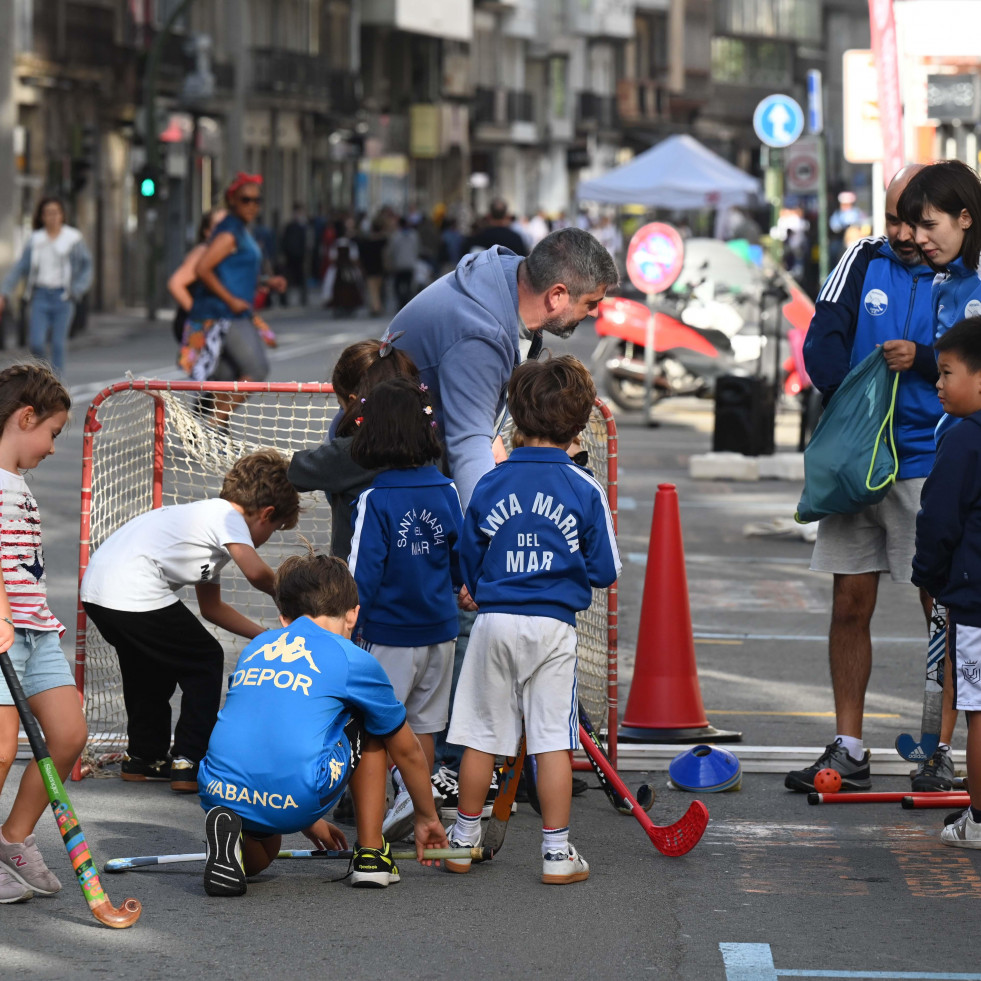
(883, 24)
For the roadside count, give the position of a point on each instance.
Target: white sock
(466, 829)
(555, 840)
(853, 746)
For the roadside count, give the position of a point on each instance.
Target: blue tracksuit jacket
(404, 558)
(537, 537)
(869, 298)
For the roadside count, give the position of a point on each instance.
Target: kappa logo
(876, 302)
(336, 770)
(973, 308)
(971, 672)
(279, 649)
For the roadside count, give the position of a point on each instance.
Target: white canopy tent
(677, 173)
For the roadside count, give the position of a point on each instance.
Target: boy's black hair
(397, 428)
(963, 340)
(314, 585)
(551, 399)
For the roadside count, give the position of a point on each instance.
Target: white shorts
(880, 538)
(517, 666)
(421, 677)
(964, 645)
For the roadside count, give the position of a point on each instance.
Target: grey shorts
(243, 354)
(882, 538)
(421, 677)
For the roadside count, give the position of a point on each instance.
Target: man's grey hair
(573, 257)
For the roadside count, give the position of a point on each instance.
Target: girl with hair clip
(223, 338)
(34, 409)
(404, 559)
(329, 467)
(184, 278)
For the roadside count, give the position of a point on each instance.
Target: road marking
(809, 715)
(754, 962)
(809, 638)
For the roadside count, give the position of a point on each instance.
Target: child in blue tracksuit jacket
(537, 537)
(404, 559)
(947, 562)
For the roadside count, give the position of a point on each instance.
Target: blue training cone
(706, 768)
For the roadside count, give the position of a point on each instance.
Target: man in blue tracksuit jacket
(878, 294)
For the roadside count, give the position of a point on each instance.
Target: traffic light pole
(152, 234)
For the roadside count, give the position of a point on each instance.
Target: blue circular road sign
(778, 120)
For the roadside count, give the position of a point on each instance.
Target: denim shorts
(39, 662)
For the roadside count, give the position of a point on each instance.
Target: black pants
(159, 650)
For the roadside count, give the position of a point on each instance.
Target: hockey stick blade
(645, 792)
(917, 751)
(477, 854)
(497, 826)
(68, 823)
(673, 839)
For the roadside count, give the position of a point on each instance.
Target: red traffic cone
(665, 703)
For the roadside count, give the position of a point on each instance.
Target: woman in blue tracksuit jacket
(942, 203)
(404, 553)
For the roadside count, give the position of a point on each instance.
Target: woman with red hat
(223, 339)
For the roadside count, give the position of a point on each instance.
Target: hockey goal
(145, 445)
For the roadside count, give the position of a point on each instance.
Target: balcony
(789, 20)
(595, 112)
(641, 101)
(448, 19)
(291, 74)
(500, 115)
(601, 19)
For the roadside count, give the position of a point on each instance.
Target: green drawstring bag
(851, 460)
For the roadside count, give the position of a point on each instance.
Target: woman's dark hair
(359, 369)
(398, 428)
(949, 186)
(204, 226)
(39, 210)
(31, 384)
(551, 399)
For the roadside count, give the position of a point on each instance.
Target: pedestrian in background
(295, 251)
(56, 269)
(185, 276)
(401, 256)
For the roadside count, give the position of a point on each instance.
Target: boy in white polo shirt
(128, 592)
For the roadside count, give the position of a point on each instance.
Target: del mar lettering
(544, 505)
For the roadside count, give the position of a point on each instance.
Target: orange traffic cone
(665, 703)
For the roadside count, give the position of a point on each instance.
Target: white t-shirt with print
(140, 565)
(23, 556)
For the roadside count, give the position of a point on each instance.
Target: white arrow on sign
(780, 120)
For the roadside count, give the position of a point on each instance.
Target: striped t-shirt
(23, 556)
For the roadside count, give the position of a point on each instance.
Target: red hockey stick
(922, 799)
(674, 839)
(71, 830)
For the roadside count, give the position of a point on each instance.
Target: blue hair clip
(385, 346)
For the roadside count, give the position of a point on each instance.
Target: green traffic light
(148, 187)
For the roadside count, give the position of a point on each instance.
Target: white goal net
(146, 446)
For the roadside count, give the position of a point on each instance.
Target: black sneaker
(183, 776)
(373, 868)
(855, 774)
(133, 768)
(224, 874)
(445, 782)
(934, 774)
(579, 786)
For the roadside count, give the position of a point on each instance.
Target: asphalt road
(835, 891)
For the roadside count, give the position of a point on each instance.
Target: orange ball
(827, 781)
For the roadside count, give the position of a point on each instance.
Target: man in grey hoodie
(464, 332)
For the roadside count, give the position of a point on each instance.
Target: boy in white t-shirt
(128, 593)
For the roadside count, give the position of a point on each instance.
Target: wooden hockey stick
(497, 826)
(71, 831)
(143, 861)
(673, 839)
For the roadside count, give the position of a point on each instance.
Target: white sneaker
(561, 868)
(963, 833)
(400, 819)
(22, 861)
(13, 890)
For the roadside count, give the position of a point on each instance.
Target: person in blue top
(404, 559)
(947, 562)
(537, 538)
(307, 714)
(223, 340)
(877, 295)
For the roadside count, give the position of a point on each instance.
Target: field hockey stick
(908, 746)
(921, 799)
(507, 789)
(645, 792)
(405, 855)
(673, 839)
(71, 831)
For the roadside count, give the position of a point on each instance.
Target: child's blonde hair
(33, 385)
(259, 481)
